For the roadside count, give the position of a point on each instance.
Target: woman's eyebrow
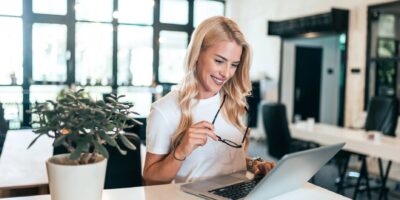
(225, 59)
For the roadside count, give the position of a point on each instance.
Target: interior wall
(252, 16)
(329, 94)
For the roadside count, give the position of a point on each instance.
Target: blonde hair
(209, 32)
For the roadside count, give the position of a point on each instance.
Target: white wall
(329, 92)
(252, 16)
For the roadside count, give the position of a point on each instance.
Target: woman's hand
(262, 168)
(195, 136)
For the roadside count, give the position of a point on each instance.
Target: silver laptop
(290, 173)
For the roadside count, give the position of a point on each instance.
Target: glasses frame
(227, 141)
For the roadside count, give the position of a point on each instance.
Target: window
(93, 53)
(135, 55)
(94, 10)
(174, 11)
(53, 7)
(382, 71)
(11, 7)
(204, 9)
(103, 46)
(135, 11)
(11, 51)
(49, 46)
(173, 46)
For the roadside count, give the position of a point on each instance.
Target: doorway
(330, 60)
(308, 66)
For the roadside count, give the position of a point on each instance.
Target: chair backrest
(277, 129)
(3, 127)
(3, 123)
(122, 170)
(382, 115)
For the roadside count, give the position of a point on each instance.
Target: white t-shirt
(214, 158)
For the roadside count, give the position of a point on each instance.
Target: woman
(186, 130)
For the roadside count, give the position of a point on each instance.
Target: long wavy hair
(209, 32)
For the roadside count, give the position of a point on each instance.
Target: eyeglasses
(226, 141)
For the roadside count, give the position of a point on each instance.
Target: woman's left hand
(262, 168)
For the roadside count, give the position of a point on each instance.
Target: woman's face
(215, 66)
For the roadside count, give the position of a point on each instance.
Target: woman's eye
(235, 65)
(219, 61)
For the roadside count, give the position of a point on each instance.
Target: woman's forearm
(164, 170)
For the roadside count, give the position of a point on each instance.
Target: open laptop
(290, 173)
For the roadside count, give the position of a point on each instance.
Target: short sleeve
(159, 132)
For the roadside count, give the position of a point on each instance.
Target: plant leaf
(123, 152)
(76, 154)
(127, 143)
(59, 140)
(101, 149)
(33, 141)
(107, 138)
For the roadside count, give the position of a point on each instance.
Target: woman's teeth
(218, 81)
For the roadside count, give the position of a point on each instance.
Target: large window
(131, 47)
(383, 57)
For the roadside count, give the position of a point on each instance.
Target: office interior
(323, 60)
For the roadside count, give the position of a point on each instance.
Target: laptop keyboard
(236, 191)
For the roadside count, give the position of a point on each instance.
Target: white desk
(172, 191)
(21, 167)
(26, 168)
(387, 148)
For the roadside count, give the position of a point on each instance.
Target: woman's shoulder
(167, 102)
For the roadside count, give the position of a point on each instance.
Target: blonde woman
(196, 132)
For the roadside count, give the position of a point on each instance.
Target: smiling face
(215, 66)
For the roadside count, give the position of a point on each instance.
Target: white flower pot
(75, 182)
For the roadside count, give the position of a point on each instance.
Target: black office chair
(122, 170)
(277, 131)
(382, 116)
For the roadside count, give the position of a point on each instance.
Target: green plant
(83, 126)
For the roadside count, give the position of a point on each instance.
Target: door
(308, 66)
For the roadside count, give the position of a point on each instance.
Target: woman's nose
(225, 71)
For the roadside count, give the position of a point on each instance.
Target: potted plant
(83, 126)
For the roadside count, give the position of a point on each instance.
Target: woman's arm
(161, 169)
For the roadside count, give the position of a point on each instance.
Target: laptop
(290, 173)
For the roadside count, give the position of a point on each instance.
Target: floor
(327, 175)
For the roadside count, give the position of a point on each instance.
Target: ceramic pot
(75, 181)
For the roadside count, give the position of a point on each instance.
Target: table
(357, 141)
(21, 167)
(25, 168)
(387, 147)
(172, 191)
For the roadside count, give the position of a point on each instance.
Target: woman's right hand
(195, 136)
